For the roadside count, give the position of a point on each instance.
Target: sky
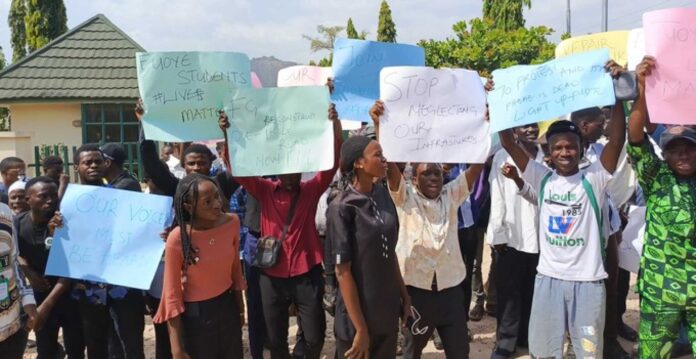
(275, 27)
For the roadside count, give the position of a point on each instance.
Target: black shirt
(363, 230)
(126, 181)
(31, 242)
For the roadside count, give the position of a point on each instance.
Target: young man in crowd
(53, 167)
(297, 276)
(15, 293)
(12, 169)
(668, 270)
(512, 232)
(114, 173)
(112, 316)
(57, 309)
(591, 123)
(569, 292)
(195, 158)
(17, 197)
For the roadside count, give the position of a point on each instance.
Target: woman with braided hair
(201, 299)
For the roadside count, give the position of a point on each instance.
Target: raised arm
(617, 128)
(639, 113)
(517, 153)
(393, 171)
(153, 166)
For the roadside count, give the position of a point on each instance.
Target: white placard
(433, 115)
(635, 48)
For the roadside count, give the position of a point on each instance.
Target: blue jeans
(560, 305)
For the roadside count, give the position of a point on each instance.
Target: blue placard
(356, 67)
(533, 93)
(110, 236)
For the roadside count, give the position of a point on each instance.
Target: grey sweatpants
(559, 306)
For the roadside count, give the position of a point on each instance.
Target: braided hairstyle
(187, 193)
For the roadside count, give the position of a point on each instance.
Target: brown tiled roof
(93, 61)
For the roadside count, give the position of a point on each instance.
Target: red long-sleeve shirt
(302, 249)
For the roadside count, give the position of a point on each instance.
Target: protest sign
(636, 48)
(615, 41)
(280, 130)
(301, 75)
(433, 115)
(531, 93)
(255, 81)
(356, 67)
(109, 236)
(670, 37)
(183, 91)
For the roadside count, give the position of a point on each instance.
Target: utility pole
(568, 17)
(605, 15)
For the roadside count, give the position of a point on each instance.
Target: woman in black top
(362, 226)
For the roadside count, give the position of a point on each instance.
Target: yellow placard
(615, 41)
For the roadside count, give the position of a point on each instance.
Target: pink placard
(303, 76)
(255, 81)
(670, 37)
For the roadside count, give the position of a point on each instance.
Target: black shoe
(613, 350)
(627, 332)
(500, 354)
(680, 350)
(476, 313)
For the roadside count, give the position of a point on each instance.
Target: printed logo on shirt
(563, 241)
(561, 225)
(562, 198)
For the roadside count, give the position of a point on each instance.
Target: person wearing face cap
(362, 226)
(667, 269)
(117, 177)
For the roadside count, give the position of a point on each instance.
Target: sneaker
(627, 332)
(476, 313)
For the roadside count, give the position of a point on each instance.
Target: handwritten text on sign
(356, 67)
(303, 76)
(532, 93)
(280, 130)
(183, 91)
(433, 115)
(670, 36)
(110, 236)
(615, 41)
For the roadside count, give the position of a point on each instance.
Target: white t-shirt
(570, 243)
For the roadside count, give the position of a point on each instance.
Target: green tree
(18, 35)
(325, 41)
(4, 111)
(386, 29)
(484, 47)
(45, 20)
(505, 14)
(352, 33)
(350, 30)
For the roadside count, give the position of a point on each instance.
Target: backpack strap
(598, 214)
(543, 187)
